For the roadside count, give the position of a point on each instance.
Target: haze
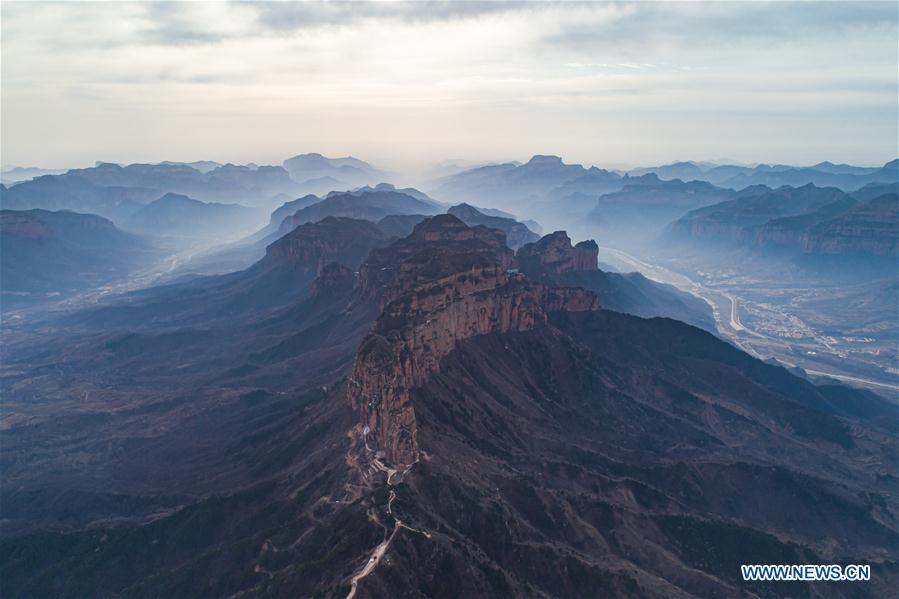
(405, 85)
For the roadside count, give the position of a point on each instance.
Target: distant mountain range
(16, 174)
(77, 194)
(368, 204)
(48, 255)
(116, 192)
(314, 172)
(824, 174)
(641, 209)
(808, 219)
(178, 215)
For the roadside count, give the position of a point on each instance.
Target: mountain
(51, 254)
(144, 182)
(554, 261)
(321, 186)
(204, 166)
(594, 182)
(178, 215)
(17, 174)
(77, 194)
(439, 425)
(824, 174)
(400, 225)
(686, 171)
(304, 168)
(868, 229)
(741, 220)
(808, 220)
(642, 208)
(286, 209)
(517, 234)
(264, 181)
(372, 202)
(278, 280)
(507, 185)
(873, 190)
(409, 191)
(844, 169)
(829, 176)
(368, 205)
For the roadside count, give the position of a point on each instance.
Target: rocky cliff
(554, 254)
(762, 217)
(335, 239)
(869, 229)
(446, 283)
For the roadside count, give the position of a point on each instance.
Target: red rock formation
(439, 295)
(553, 254)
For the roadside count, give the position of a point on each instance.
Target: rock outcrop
(438, 244)
(554, 254)
(517, 234)
(311, 246)
(445, 283)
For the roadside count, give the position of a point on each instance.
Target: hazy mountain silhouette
(178, 215)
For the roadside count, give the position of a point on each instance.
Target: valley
(795, 325)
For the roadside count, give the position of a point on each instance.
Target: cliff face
(437, 245)
(23, 224)
(870, 229)
(447, 289)
(554, 254)
(310, 247)
(764, 217)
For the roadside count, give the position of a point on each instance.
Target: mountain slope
(554, 261)
(350, 171)
(77, 194)
(641, 209)
(44, 254)
(517, 234)
(505, 185)
(280, 279)
(367, 205)
(179, 215)
(871, 229)
(816, 222)
(741, 220)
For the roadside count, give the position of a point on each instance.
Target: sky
(405, 85)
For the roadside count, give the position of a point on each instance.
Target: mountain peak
(554, 254)
(442, 227)
(443, 284)
(545, 159)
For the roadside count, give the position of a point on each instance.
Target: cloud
(447, 78)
